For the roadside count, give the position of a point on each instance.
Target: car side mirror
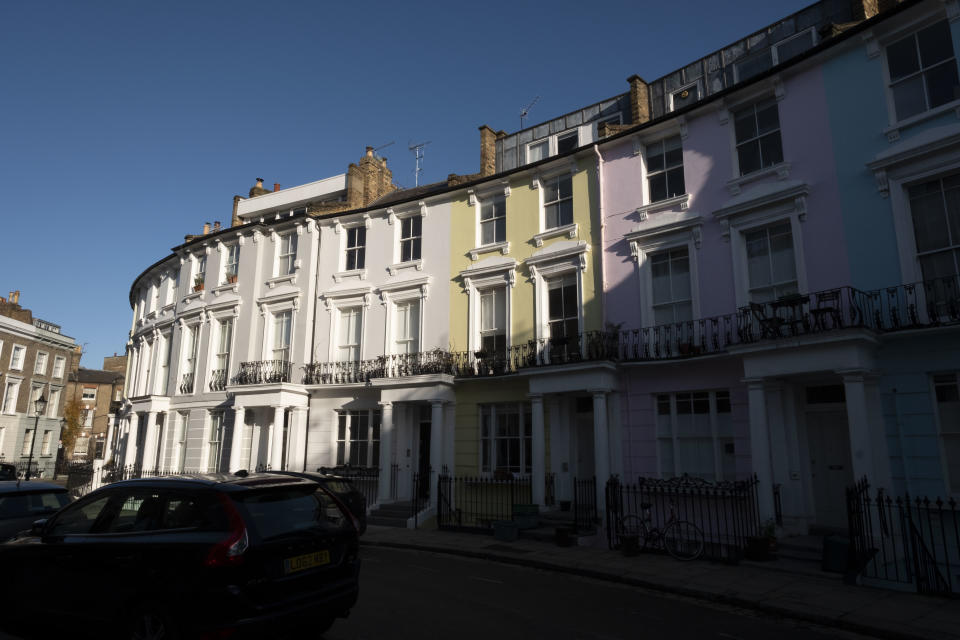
(37, 528)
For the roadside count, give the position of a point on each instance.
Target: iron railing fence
(82, 479)
(910, 306)
(420, 494)
(403, 365)
(263, 372)
(394, 476)
(475, 503)
(366, 480)
(726, 512)
(550, 489)
(218, 380)
(911, 541)
(186, 383)
(585, 504)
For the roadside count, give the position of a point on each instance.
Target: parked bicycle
(682, 539)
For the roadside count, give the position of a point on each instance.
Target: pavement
(820, 598)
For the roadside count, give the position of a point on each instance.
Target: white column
(276, 439)
(236, 443)
(108, 443)
(130, 447)
(436, 447)
(601, 447)
(616, 436)
(150, 441)
(538, 455)
(760, 447)
(386, 450)
(868, 438)
(297, 440)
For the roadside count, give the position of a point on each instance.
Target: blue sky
(128, 124)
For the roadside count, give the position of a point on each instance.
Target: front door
(585, 466)
(831, 467)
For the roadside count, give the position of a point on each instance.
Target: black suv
(342, 488)
(216, 555)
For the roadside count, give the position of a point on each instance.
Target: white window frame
(46, 442)
(481, 292)
(395, 341)
(34, 396)
(717, 440)
(345, 446)
(228, 250)
(53, 403)
(199, 270)
(339, 339)
(696, 86)
(526, 433)
(735, 221)
(645, 243)
(59, 365)
(213, 349)
(334, 302)
(17, 365)
(345, 232)
(186, 330)
(775, 47)
(895, 172)
(877, 46)
(291, 258)
(552, 142)
(678, 201)
(553, 266)
(400, 293)
(16, 382)
(476, 199)
(268, 347)
(396, 218)
(213, 438)
(475, 281)
(180, 449)
(165, 354)
(737, 174)
(37, 369)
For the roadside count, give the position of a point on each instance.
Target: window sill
(893, 131)
(273, 282)
(569, 230)
(151, 316)
(781, 170)
(229, 286)
(678, 203)
(410, 264)
(167, 308)
(193, 295)
(359, 274)
(502, 247)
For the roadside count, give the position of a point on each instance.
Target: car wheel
(151, 621)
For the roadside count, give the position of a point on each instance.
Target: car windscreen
(338, 486)
(22, 505)
(277, 512)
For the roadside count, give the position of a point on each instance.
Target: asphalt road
(414, 594)
(411, 594)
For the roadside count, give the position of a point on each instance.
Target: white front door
(831, 467)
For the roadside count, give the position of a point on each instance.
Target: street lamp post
(40, 406)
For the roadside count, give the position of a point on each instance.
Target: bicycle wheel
(632, 526)
(683, 540)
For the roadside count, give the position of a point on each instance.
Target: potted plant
(763, 547)
(232, 278)
(198, 283)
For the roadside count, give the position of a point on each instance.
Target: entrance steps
(547, 524)
(800, 555)
(394, 514)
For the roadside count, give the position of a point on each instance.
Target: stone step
(387, 522)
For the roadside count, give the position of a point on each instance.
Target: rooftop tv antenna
(418, 154)
(526, 110)
(383, 146)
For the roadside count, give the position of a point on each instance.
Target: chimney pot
(216, 225)
(276, 186)
(369, 152)
(259, 183)
(206, 228)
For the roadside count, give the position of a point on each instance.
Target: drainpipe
(903, 451)
(603, 275)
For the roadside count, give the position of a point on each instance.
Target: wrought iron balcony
(433, 362)
(186, 383)
(218, 380)
(263, 372)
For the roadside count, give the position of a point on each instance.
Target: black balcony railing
(263, 372)
(926, 304)
(218, 380)
(433, 362)
(186, 383)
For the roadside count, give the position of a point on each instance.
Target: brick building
(34, 360)
(99, 392)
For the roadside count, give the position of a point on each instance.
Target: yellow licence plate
(306, 561)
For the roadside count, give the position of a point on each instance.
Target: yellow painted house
(526, 319)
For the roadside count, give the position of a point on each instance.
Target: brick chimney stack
(488, 151)
(276, 187)
(639, 100)
(368, 180)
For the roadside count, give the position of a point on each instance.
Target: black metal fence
(726, 512)
(420, 494)
(475, 503)
(263, 372)
(905, 540)
(366, 480)
(82, 478)
(585, 504)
